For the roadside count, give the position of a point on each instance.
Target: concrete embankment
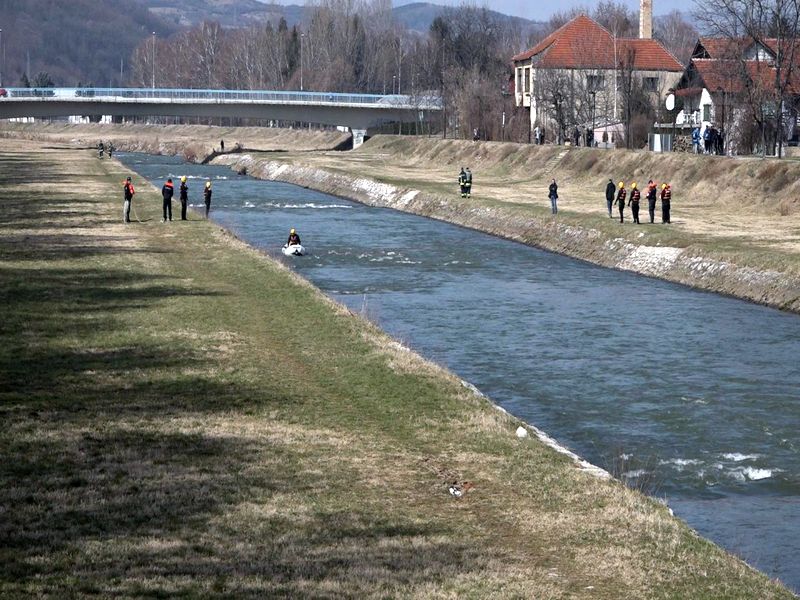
(688, 265)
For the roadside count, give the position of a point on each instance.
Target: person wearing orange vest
(166, 193)
(126, 206)
(666, 199)
(620, 201)
(636, 195)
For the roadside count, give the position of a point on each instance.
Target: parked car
(3, 93)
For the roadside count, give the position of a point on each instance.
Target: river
(690, 396)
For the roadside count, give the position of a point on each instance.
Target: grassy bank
(184, 416)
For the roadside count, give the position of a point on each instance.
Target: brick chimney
(645, 19)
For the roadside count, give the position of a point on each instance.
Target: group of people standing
(635, 197)
(167, 192)
(712, 139)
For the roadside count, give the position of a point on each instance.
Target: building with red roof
(576, 77)
(726, 79)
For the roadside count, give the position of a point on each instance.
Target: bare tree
(769, 24)
(677, 34)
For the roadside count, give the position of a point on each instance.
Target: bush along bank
(691, 266)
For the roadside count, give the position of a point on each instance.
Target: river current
(690, 396)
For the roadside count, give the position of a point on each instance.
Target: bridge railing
(117, 94)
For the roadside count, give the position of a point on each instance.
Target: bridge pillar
(358, 136)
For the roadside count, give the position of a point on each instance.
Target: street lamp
(153, 83)
(302, 37)
(2, 57)
(394, 79)
(591, 141)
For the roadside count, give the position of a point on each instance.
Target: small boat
(293, 250)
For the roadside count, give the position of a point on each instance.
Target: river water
(690, 396)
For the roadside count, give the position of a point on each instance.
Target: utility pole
(2, 57)
(153, 83)
(302, 37)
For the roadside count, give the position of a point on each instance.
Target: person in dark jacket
(620, 201)
(184, 196)
(468, 181)
(666, 199)
(651, 200)
(166, 193)
(636, 195)
(462, 182)
(207, 197)
(610, 189)
(553, 195)
(294, 239)
(128, 191)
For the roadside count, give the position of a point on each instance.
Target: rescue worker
(462, 182)
(184, 197)
(207, 197)
(110, 149)
(468, 182)
(222, 145)
(610, 189)
(294, 239)
(552, 193)
(636, 195)
(166, 193)
(126, 206)
(620, 201)
(651, 200)
(666, 198)
(100, 149)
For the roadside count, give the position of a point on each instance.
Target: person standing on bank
(636, 195)
(468, 181)
(610, 189)
(620, 201)
(553, 195)
(184, 196)
(207, 197)
(666, 199)
(462, 182)
(222, 145)
(166, 193)
(126, 205)
(651, 200)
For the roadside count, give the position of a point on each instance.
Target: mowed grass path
(183, 416)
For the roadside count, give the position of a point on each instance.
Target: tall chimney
(645, 19)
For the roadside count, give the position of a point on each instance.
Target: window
(650, 84)
(519, 81)
(706, 112)
(527, 80)
(595, 82)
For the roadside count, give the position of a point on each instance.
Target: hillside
(418, 16)
(81, 41)
(228, 13)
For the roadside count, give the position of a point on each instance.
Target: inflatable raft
(293, 250)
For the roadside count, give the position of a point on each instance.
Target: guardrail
(427, 101)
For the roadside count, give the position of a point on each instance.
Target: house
(582, 74)
(730, 84)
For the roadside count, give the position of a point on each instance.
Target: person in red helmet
(128, 192)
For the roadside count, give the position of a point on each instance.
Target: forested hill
(74, 41)
(418, 16)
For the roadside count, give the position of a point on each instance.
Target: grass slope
(183, 416)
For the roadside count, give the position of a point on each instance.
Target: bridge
(358, 112)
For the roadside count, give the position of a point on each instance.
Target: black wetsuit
(293, 240)
(610, 196)
(207, 199)
(184, 195)
(651, 203)
(621, 202)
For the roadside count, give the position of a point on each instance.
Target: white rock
(522, 432)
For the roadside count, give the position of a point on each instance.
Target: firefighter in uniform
(651, 200)
(468, 182)
(462, 182)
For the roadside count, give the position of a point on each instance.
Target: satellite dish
(670, 102)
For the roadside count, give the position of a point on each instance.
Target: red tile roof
(583, 43)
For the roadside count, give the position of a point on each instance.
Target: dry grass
(158, 439)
